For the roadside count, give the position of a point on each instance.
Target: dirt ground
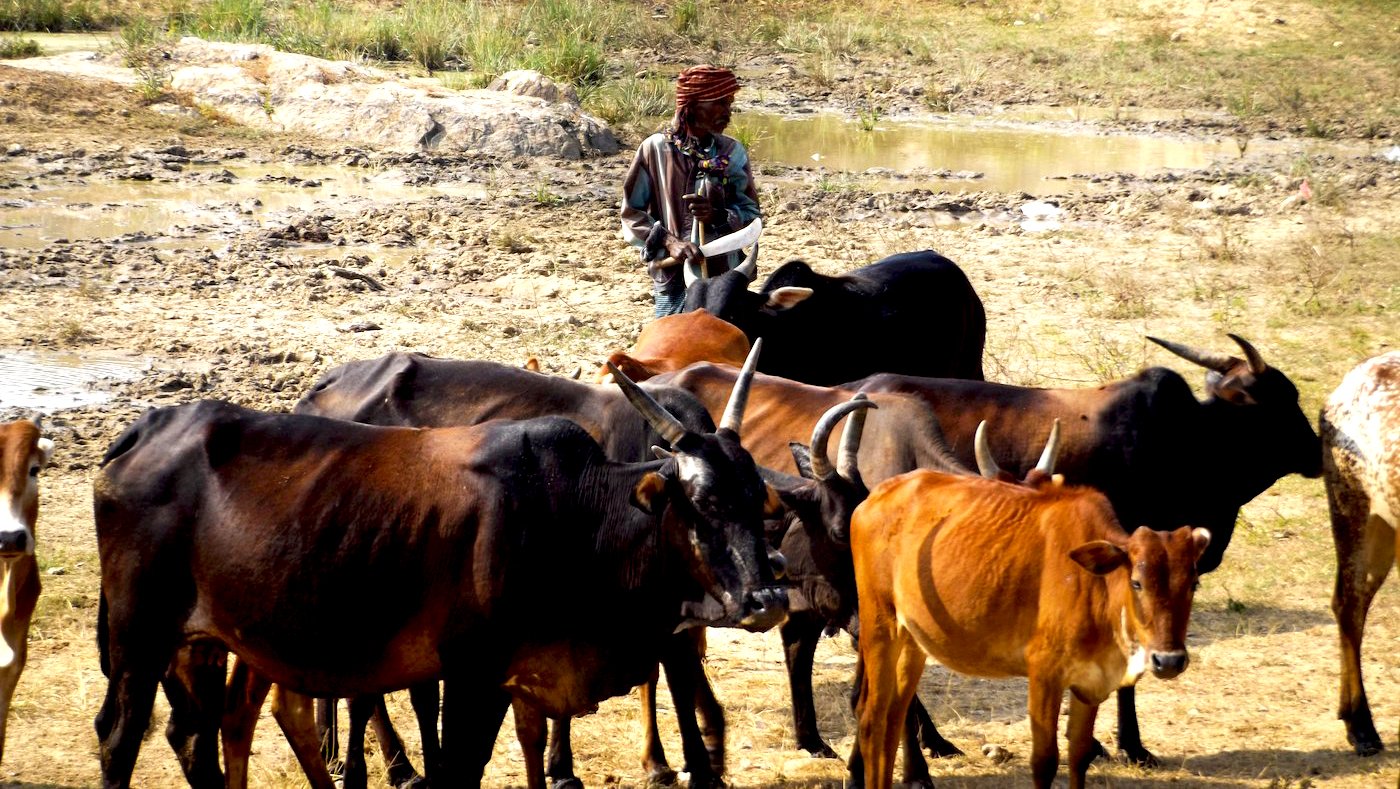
(509, 259)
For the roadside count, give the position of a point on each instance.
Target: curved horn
(986, 464)
(850, 440)
(821, 462)
(1219, 362)
(1052, 450)
(661, 420)
(749, 268)
(1256, 362)
(692, 274)
(739, 398)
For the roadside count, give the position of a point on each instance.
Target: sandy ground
(502, 259)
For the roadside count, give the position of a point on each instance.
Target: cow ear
(1230, 388)
(1200, 539)
(802, 456)
(46, 452)
(650, 494)
(787, 298)
(773, 506)
(1099, 557)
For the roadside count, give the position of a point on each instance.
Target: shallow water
(52, 381)
(103, 208)
(59, 43)
(985, 154)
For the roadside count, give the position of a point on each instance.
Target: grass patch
(50, 16)
(15, 47)
(632, 101)
(142, 46)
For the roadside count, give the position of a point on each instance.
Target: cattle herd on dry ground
(537, 543)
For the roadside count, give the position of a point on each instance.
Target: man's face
(710, 117)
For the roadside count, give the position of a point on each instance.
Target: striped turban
(704, 83)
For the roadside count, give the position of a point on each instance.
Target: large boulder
(259, 86)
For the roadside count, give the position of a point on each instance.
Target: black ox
(914, 313)
(505, 559)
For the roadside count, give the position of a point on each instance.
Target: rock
(996, 753)
(528, 82)
(14, 149)
(359, 326)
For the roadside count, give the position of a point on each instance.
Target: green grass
(14, 47)
(50, 16)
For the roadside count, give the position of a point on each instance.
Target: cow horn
(739, 398)
(749, 268)
(1219, 362)
(38, 420)
(1256, 362)
(846, 464)
(692, 274)
(1052, 450)
(986, 464)
(661, 420)
(821, 462)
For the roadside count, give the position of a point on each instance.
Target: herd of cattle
(542, 544)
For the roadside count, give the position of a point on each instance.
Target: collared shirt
(661, 174)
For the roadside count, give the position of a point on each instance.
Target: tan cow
(1360, 428)
(677, 341)
(23, 454)
(996, 579)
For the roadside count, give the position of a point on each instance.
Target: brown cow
(1360, 428)
(23, 454)
(1001, 580)
(677, 341)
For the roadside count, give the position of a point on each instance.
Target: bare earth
(520, 258)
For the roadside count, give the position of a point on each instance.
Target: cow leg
(1363, 562)
(328, 729)
(17, 633)
(122, 721)
(243, 700)
(800, 636)
(1045, 698)
(855, 766)
(1129, 736)
(1082, 747)
(356, 775)
(894, 664)
(296, 716)
(473, 706)
(425, 700)
(530, 730)
(399, 769)
(928, 733)
(194, 686)
(561, 751)
(658, 771)
(711, 711)
(915, 768)
(685, 674)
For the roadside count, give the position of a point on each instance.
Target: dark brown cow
(23, 454)
(1141, 441)
(677, 341)
(1001, 580)
(902, 435)
(505, 559)
(1360, 427)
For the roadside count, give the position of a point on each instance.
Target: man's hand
(703, 207)
(680, 251)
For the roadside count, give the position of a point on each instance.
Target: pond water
(100, 208)
(59, 43)
(52, 381)
(983, 153)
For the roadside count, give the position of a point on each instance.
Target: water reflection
(52, 381)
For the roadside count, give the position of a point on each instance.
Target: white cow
(1360, 427)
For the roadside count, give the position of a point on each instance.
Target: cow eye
(1137, 585)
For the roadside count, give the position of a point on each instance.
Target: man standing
(686, 174)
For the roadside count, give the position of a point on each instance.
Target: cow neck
(631, 545)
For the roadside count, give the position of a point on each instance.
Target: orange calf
(23, 454)
(677, 341)
(1000, 580)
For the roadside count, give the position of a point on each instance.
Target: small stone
(996, 753)
(14, 149)
(56, 571)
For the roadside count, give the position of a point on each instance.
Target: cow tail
(104, 657)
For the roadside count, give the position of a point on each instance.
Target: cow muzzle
(764, 608)
(15, 542)
(1167, 665)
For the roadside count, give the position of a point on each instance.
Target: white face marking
(7, 607)
(12, 514)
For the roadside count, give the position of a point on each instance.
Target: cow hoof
(942, 749)
(706, 782)
(1366, 746)
(567, 783)
(661, 776)
(819, 750)
(1141, 757)
(414, 781)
